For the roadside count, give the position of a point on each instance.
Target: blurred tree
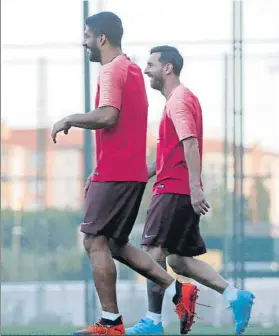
(64, 264)
(6, 228)
(214, 224)
(259, 204)
(44, 231)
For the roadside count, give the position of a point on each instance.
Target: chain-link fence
(45, 272)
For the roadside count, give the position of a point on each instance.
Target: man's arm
(185, 126)
(111, 84)
(102, 117)
(192, 158)
(151, 170)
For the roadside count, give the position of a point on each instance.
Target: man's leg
(152, 322)
(183, 295)
(103, 271)
(142, 262)
(110, 211)
(240, 301)
(187, 241)
(155, 294)
(179, 233)
(104, 276)
(108, 214)
(184, 266)
(200, 271)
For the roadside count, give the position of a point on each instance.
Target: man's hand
(59, 126)
(87, 184)
(199, 202)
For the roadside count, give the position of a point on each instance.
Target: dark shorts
(111, 209)
(172, 224)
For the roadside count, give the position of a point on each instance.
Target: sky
(34, 95)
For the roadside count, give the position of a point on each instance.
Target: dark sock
(111, 323)
(177, 296)
(155, 293)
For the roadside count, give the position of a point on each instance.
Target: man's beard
(95, 56)
(157, 83)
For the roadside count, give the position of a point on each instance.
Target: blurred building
(61, 184)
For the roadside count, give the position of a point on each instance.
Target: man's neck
(110, 55)
(169, 86)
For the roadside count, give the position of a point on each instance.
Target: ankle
(155, 317)
(110, 316)
(230, 293)
(171, 290)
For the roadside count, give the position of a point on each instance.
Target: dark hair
(106, 23)
(169, 55)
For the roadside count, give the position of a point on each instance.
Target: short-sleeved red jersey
(182, 119)
(121, 149)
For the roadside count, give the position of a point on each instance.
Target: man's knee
(156, 252)
(93, 244)
(178, 263)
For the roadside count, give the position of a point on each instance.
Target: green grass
(172, 330)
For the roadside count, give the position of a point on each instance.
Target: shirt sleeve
(111, 86)
(182, 117)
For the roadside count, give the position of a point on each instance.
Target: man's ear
(102, 39)
(168, 68)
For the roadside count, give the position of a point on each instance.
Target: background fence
(41, 184)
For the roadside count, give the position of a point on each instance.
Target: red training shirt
(121, 149)
(182, 118)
